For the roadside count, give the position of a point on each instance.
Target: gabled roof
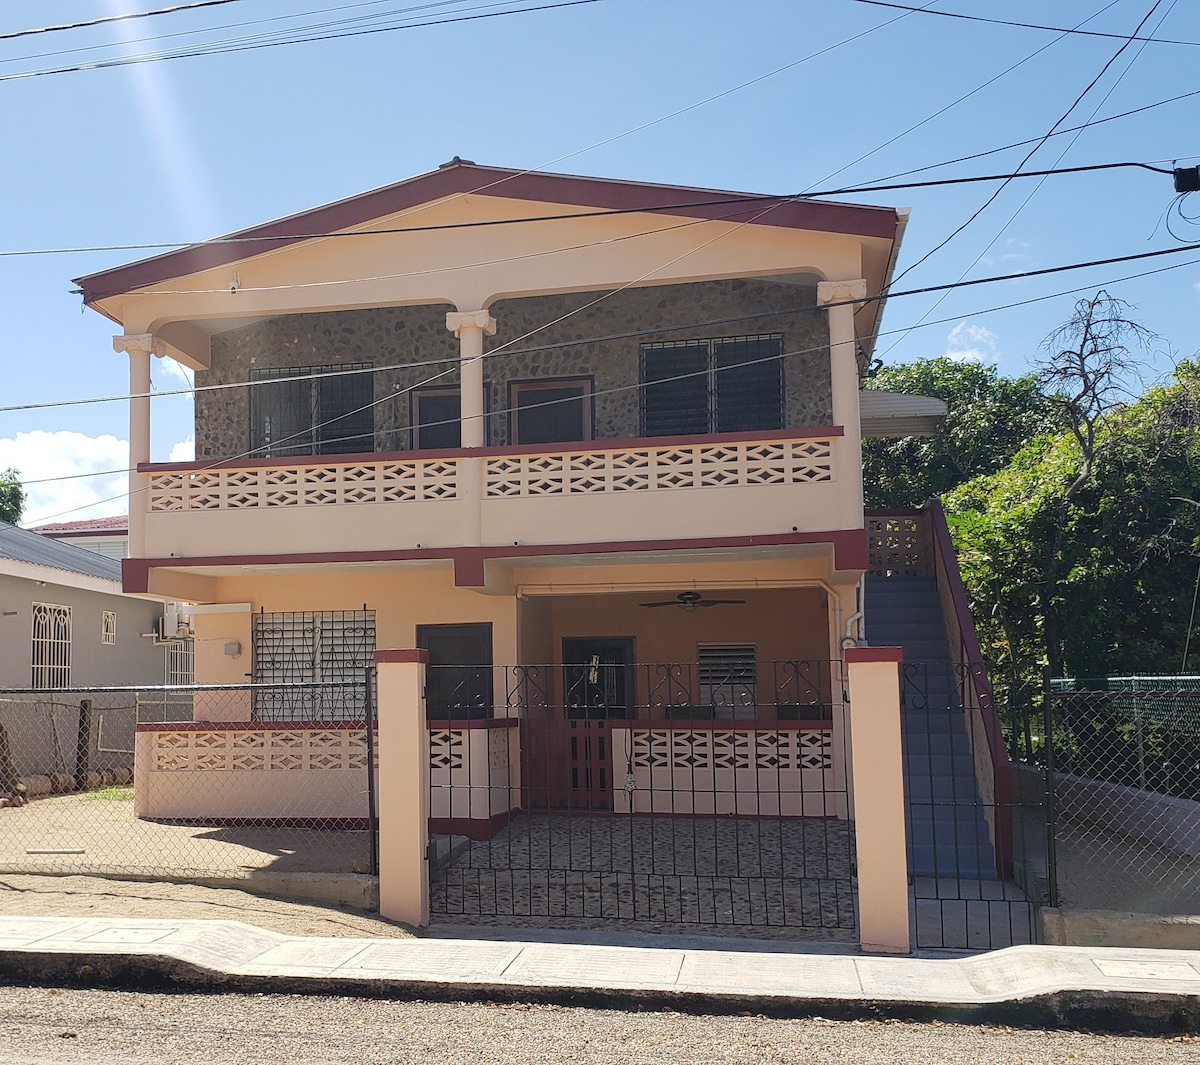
(461, 177)
(114, 523)
(24, 545)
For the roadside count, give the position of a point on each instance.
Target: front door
(597, 689)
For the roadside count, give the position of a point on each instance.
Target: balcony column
(139, 347)
(470, 327)
(844, 377)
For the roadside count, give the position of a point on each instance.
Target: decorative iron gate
(669, 811)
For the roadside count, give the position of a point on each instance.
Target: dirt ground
(91, 896)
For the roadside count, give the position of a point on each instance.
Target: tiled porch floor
(739, 876)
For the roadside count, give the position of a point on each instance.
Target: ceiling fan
(694, 600)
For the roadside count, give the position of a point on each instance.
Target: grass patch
(113, 792)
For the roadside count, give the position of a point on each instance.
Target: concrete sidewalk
(1099, 988)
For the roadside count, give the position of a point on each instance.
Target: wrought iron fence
(1122, 760)
(182, 781)
(681, 795)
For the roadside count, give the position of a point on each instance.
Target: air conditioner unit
(174, 624)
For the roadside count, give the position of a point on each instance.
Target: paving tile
(307, 955)
(1147, 970)
(611, 967)
(431, 959)
(23, 930)
(134, 936)
(914, 979)
(737, 971)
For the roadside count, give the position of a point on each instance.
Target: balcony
(727, 487)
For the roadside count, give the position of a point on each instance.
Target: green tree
(989, 418)
(12, 496)
(1114, 563)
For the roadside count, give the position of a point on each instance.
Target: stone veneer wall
(388, 336)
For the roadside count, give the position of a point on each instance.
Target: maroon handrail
(946, 562)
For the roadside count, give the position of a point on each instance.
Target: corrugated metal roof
(22, 545)
(891, 414)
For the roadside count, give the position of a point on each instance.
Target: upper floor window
(545, 412)
(436, 414)
(51, 649)
(300, 413)
(729, 385)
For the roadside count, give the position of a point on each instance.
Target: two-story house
(595, 445)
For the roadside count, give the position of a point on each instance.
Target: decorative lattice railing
(710, 465)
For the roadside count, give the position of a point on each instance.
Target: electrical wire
(130, 60)
(1019, 275)
(1024, 203)
(966, 96)
(748, 199)
(620, 388)
(1025, 25)
(1030, 154)
(128, 17)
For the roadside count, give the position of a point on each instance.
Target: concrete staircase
(947, 833)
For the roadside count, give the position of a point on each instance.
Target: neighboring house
(64, 622)
(594, 445)
(105, 536)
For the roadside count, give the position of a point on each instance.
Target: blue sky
(187, 149)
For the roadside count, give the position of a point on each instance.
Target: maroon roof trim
(820, 215)
(603, 444)
(874, 654)
(849, 552)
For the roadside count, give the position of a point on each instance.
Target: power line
(749, 199)
(618, 388)
(219, 49)
(658, 330)
(1026, 25)
(114, 18)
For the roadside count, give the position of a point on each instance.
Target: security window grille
(712, 386)
(181, 662)
(51, 650)
(728, 679)
(108, 627)
(299, 414)
(314, 663)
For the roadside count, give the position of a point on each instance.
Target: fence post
(403, 786)
(877, 759)
(372, 797)
(83, 745)
(1051, 796)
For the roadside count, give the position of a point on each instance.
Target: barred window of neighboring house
(297, 413)
(727, 385)
(314, 664)
(181, 662)
(108, 627)
(51, 646)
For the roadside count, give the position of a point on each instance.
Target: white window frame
(50, 646)
(108, 627)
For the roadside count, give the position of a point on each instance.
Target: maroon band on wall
(636, 443)
(855, 655)
(849, 553)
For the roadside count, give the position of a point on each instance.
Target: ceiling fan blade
(723, 602)
(669, 602)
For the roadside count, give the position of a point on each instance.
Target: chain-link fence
(1123, 792)
(195, 781)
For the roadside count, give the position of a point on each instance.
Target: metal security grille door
(608, 790)
(51, 647)
(313, 664)
(181, 662)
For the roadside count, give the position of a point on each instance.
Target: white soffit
(886, 414)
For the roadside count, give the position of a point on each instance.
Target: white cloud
(54, 459)
(177, 373)
(1196, 286)
(184, 451)
(968, 342)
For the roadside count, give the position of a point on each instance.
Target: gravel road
(40, 1027)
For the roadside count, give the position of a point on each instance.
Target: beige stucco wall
(388, 336)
